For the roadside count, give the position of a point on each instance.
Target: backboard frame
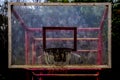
(49, 66)
(74, 29)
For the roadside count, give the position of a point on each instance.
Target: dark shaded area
(21, 74)
(115, 39)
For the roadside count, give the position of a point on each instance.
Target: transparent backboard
(93, 34)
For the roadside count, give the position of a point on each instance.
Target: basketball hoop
(57, 56)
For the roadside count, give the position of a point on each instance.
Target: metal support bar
(54, 69)
(65, 39)
(41, 74)
(100, 46)
(62, 75)
(33, 52)
(19, 19)
(78, 29)
(26, 47)
(86, 50)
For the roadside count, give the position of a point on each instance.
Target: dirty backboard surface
(38, 37)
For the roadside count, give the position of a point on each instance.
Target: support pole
(27, 75)
(41, 76)
(97, 78)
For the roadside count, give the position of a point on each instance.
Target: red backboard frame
(60, 28)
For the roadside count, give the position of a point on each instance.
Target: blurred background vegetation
(5, 72)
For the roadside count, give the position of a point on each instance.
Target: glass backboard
(54, 35)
